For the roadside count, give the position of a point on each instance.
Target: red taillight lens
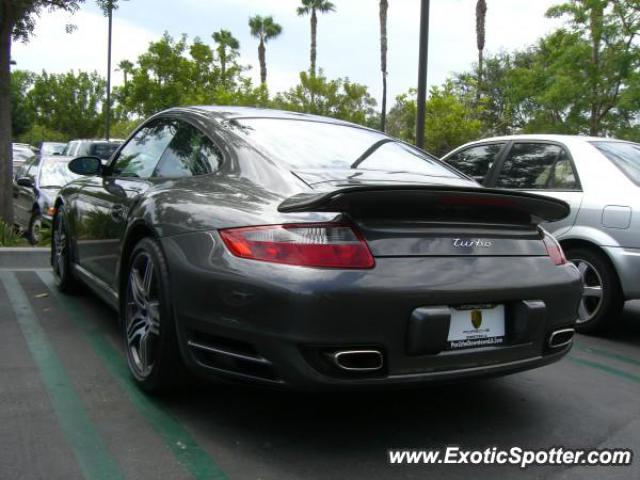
(309, 245)
(554, 250)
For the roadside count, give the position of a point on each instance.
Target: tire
(61, 254)
(34, 231)
(148, 322)
(600, 308)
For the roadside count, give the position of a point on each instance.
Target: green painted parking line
(183, 446)
(606, 369)
(85, 440)
(607, 354)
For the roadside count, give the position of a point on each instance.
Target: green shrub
(8, 236)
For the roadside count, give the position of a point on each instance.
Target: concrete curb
(24, 258)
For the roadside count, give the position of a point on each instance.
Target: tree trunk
(383, 115)
(597, 13)
(223, 67)
(314, 44)
(6, 164)
(263, 62)
(384, 6)
(481, 16)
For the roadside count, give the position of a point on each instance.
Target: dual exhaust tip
(561, 338)
(373, 360)
(358, 360)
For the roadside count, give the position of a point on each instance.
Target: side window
(476, 161)
(190, 153)
(30, 168)
(142, 152)
(537, 166)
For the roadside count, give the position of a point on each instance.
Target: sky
(348, 39)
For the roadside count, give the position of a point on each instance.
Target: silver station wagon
(600, 179)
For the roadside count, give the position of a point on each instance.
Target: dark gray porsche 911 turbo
(295, 250)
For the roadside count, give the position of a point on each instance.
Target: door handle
(118, 212)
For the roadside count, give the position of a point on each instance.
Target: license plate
(476, 327)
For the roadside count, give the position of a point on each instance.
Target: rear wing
(438, 203)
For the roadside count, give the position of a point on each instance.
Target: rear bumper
(627, 263)
(277, 324)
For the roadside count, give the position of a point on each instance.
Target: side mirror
(86, 166)
(24, 182)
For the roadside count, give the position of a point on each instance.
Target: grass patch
(9, 237)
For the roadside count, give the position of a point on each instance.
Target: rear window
(103, 150)
(306, 145)
(626, 156)
(56, 174)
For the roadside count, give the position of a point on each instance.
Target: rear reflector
(554, 250)
(310, 245)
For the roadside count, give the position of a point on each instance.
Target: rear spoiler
(427, 201)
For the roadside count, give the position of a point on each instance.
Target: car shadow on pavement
(627, 330)
(303, 431)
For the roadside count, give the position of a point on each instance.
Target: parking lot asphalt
(68, 409)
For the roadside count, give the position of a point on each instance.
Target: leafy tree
(338, 98)
(312, 7)
(611, 56)
(40, 133)
(176, 72)
(21, 118)
(161, 78)
(384, 8)
(17, 21)
(68, 102)
(450, 122)
(126, 67)
(227, 49)
(123, 128)
(264, 29)
(481, 17)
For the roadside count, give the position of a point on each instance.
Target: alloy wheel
(592, 296)
(36, 230)
(59, 248)
(142, 315)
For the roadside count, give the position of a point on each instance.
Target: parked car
(49, 149)
(290, 249)
(102, 149)
(34, 192)
(600, 179)
(21, 154)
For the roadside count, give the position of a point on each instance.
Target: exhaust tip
(561, 338)
(358, 360)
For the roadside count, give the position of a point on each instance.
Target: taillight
(311, 245)
(554, 250)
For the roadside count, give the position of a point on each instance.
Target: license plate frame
(476, 326)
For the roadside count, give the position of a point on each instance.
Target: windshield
(20, 155)
(626, 156)
(103, 150)
(56, 174)
(305, 145)
(49, 149)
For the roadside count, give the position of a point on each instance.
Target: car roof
(567, 139)
(96, 140)
(237, 113)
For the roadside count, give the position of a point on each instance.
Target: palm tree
(481, 15)
(126, 67)
(384, 7)
(263, 28)
(312, 7)
(225, 40)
